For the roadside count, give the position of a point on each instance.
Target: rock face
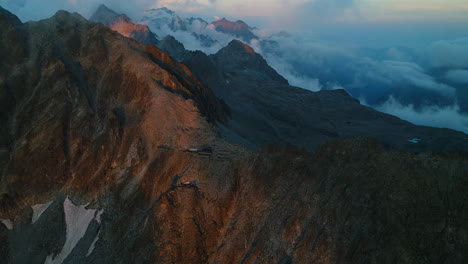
(124, 25)
(109, 154)
(239, 57)
(239, 29)
(176, 49)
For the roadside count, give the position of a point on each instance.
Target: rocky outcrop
(238, 28)
(172, 46)
(124, 25)
(239, 57)
(111, 159)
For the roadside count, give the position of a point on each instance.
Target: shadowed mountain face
(109, 154)
(266, 109)
(124, 25)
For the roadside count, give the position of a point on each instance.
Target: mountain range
(377, 76)
(113, 150)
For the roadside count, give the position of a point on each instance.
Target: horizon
(301, 15)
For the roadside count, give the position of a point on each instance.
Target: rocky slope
(266, 109)
(124, 25)
(109, 155)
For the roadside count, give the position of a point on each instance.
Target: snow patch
(8, 223)
(38, 210)
(77, 219)
(98, 216)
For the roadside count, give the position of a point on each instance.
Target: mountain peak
(172, 46)
(239, 46)
(5, 15)
(104, 9)
(124, 25)
(165, 9)
(238, 56)
(238, 28)
(161, 9)
(63, 15)
(107, 16)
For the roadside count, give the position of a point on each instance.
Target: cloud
(410, 73)
(308, 60)
(445, 117)
(457, 76)
(448, 53)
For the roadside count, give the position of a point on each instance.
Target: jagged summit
(124, 25)
(239, 28)
(174, 47)
(238, 56)
(6, 16)
(239, 46)
(108, 17)
(161, 9)
(103, 9)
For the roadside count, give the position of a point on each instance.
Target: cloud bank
(444, 117)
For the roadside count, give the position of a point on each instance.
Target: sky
(373, 22)
(270, 12)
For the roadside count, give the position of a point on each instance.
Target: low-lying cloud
(457, 76)
(444, 117)
(448, 53)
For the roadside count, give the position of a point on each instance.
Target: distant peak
(65, 15)
(104, 9)
(161, 9)
(237, 45)
(171, 38)
(10, 17)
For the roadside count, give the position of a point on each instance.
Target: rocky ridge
(124, 25)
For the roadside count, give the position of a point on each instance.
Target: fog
(444, 117)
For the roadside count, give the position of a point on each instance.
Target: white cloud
(457, 76)
(445, 117)
(448, 53)
(412, 73)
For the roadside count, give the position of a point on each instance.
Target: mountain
(238, 56)
(172, 46)
(239, 29)
(158, 18)
(109, 153)
(266, 109)
(124, 25)
(167, 22)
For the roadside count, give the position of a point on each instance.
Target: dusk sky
(271, 11)
(394, 22)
